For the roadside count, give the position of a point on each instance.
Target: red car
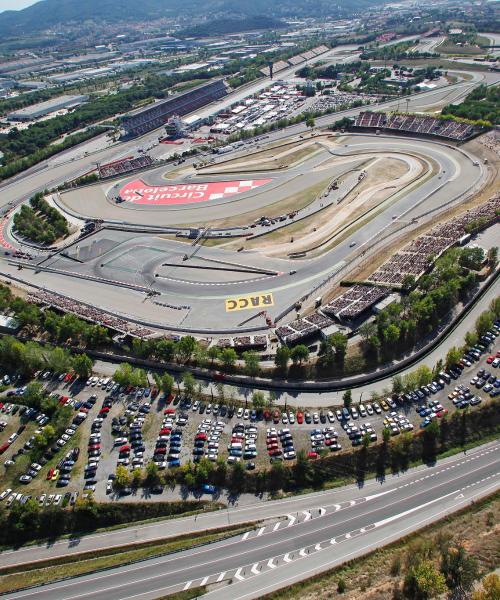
(69, 377)
(276, 416)
(4, 447)
(169, 411)
(104, 411)
(443, 412)
(490, 359)
(312, 455)
(50, 474)
(300, 418)
(165, 431)
(125, 448)
(94, 447)
(169, 398)
(201, 436)
(275, 452)
(160, 451)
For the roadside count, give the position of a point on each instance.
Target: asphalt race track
(313, 533)
(197, 281)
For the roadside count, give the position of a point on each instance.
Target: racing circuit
(327, 199)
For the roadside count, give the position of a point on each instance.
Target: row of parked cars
(280, 444)
(321, 439)
(243, 443)
(207, 439)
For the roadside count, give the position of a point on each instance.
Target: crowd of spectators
(280, 65)
(89, 313)
(157, 114)
(125, 166)
(447, 128)
(354, 302)
(303, 328)
(418, 256)
(244, 342)
(492, 141)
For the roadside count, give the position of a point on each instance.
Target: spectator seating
(155, 115)
(423, 125)
(124, 166)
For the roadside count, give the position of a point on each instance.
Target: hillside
(48, 14)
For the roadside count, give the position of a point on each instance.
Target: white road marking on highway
(292, 520)
(245, 535)
(204, 581)
(317, 547)
(238, 575)
(302, 552)
(270, 564)
(348, 536)
(337, 507)
(187, 585)
(261, 531)
(221, 576)
(307, 515)
(277, 526)
(254, 569)
(287, 558)
(333, 541)
(322, 511)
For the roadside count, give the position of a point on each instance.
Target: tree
(460, 569)
(397, 384)
(186, 347)
(339, 343)
(237, 477)
(282, 357)
(423, 375)
(251, 360)
(310, 123)
(452, 357)
(490, 588)
(59, 360)
(493, 257)
(299, 354)
(258, 400)
(127, 375)
(347, 397)
(326, 354)
(152, 474)
(82, 365)
(122, 477)
(189, 383)
(213, 354)
(228, 358)
(391, 335)
(408, 283)
(484, 322)
(165, 383)
(423, 582)
(471, 338)
(34, 394)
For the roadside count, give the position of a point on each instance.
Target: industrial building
(41, 109)
(155, 115)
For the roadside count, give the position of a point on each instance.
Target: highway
(445, 471)
(314, 532)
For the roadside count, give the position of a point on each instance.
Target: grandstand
(155, 115)
(126, 165)
(422, 125)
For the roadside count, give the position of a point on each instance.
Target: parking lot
(113, 426)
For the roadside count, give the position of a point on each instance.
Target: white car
(5, 493)
(57, 499)
(41, 500)
(289, 455)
